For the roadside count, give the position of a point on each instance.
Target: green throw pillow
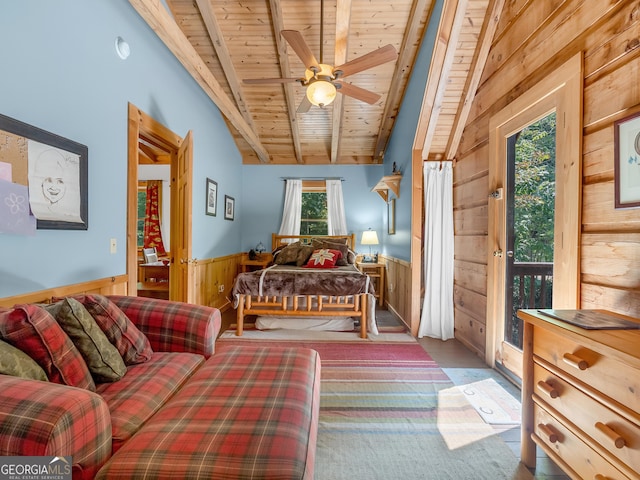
(102, 358)
(16, 363)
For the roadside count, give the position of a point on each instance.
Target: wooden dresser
(581, 397)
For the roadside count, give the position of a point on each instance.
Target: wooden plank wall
(533, 38)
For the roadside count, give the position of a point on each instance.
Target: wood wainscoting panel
(104, 286)
(398, 291)
(214, 279)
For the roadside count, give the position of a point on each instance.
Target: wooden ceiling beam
(443, 53)
(285, 71)
(407, 56)
(343, 22)
(220, 46)
(160, 21)
(481, 54)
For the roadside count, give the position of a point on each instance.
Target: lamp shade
(369, 237)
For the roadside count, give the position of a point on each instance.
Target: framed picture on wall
(627, 161)
(212, 197)
(51, 169)
(391, 216)
(229, 207)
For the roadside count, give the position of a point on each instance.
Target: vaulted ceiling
(223, 43)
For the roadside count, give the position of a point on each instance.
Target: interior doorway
(150, 142)
(533, 243)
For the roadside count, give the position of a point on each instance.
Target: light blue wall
(401, 142)
(263, 198)
(60, 73)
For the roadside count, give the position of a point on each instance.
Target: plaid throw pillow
(102, 358)
(133, 345)
(33, 330)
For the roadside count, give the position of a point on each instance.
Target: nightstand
(376, 273)
(261, 261)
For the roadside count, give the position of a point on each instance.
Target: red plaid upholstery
(248, 412)
(33, 330)
(144, 389)
(38, 418)
(173, 326)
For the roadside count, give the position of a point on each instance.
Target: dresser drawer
(565, 447)
(619, 380)
(618, 435)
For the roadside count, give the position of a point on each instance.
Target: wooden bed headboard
(278, 240)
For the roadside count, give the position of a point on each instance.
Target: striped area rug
(388, 411)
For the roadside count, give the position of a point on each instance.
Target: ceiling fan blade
(358, 93)
(260, 81)
(299, 45)
(368, 60)
(304, 106)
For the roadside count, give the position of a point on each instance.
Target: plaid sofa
(191, 411)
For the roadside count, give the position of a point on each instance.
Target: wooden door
(151, 142)
(559, 92)
(182, 283)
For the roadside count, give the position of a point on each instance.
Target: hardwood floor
(453, 355)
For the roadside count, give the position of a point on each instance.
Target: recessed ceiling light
(122, 48)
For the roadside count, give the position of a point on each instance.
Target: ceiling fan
(324, 81)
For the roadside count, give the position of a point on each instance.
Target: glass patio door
(530, 206)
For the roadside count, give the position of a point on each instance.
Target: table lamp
(369, 237)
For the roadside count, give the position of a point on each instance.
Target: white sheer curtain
(336, 219)
(437, 310)
(292, 212)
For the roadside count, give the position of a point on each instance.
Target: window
(314, 208)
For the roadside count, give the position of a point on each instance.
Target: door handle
(510, 254)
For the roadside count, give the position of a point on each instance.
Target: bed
(294, 291)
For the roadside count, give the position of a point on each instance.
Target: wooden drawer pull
(548, 430)
(575, 361)
(601, 477)
(548, 389)
(617, 439)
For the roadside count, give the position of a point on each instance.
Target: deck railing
(534, 281)
(532, 288)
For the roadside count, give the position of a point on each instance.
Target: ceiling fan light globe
(321, 92)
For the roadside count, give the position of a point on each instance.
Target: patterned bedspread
(282, 280)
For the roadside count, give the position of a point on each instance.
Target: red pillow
(33, 330)
(133, 345)
(324, 258)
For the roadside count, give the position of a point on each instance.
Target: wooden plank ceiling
(221, 43)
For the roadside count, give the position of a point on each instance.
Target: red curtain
(152, 231)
